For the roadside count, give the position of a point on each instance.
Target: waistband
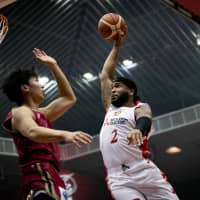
(30, 167)
(136, 164)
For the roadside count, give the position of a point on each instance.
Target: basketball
(110, 24)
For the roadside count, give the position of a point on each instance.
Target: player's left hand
(43, 57)
(135, 137)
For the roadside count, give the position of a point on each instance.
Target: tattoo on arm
(143, 111)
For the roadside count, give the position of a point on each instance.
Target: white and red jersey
(117, 124)
(130, 174)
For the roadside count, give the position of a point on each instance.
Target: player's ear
(131, 92)
(24, 88)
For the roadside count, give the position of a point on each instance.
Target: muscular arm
(24, 123)
(67, 97)
(108, 72)
(144, 113)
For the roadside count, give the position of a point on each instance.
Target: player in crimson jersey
(131, 175)
(30, 125)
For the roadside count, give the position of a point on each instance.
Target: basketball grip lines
(115, 28)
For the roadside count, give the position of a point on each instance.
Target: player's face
(36, 89)
(120, 94)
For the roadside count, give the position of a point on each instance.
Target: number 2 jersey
(118, 123)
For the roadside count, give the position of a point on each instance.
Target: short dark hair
(130, 84)
(12, 84)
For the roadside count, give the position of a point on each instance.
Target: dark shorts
(39, 194)
(42, 197)
(42, 179)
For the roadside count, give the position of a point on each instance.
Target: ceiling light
(88, 76)
(43, 80)
(49, 85)
(173, 150)
(129, 63)
(198, 40)
(194, 34)
(197, 36)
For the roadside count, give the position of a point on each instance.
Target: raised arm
(108, 72)
(67, 97)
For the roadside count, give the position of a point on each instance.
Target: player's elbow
(37, 136)
(33, 134)
(71, 102)
(74, 100)
(104, 76)
(67, 103)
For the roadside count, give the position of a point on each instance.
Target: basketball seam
(110, 25)
(115, 27)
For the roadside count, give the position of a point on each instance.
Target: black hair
(12, 84)
(130, 84)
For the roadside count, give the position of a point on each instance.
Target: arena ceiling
(161, 45)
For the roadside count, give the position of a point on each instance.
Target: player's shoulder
(143, 108)
(21, 110)
(142, 104)
(16, 113)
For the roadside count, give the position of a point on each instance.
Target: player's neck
(129, 103)
(31, 104)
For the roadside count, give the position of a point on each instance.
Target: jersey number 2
(114, 139)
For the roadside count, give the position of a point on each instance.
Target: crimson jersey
(39, 162)
(29, 151)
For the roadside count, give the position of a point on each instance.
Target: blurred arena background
(161, 53)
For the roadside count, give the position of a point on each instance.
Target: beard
(119, 101)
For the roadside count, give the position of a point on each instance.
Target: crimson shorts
(44, 179)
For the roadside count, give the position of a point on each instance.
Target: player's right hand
(43, 57)
(135, 137)
(78, 138)
(120, 39)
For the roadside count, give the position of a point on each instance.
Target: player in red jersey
(30, 125)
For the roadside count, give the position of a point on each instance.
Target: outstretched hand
(78, 138)
(43, 57)
(135, 137)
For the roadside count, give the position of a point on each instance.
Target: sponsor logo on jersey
(115, 121)
(117, 113)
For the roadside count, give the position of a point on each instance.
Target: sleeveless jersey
(32, 152)
(114, 147)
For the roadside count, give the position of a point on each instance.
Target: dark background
(160, 40)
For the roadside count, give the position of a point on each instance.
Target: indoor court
(161, 54)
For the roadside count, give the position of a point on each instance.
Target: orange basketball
(110, 24)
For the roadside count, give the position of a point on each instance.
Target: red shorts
(41, 176)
